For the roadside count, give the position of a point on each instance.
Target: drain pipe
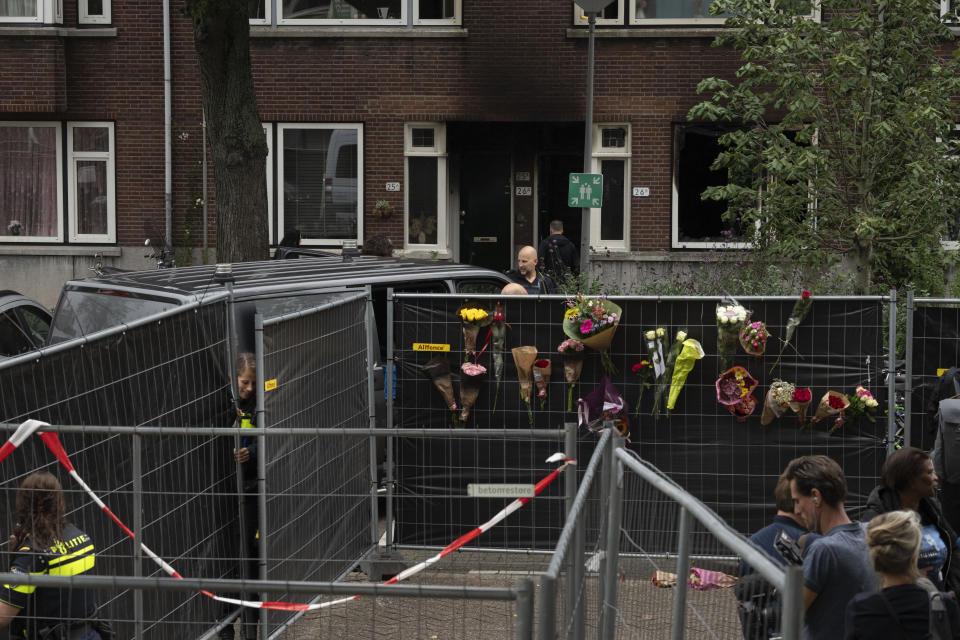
(167, 134)
(204, 195)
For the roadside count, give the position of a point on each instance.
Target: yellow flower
(651, 335)
(570, 313)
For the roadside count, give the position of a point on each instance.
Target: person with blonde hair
(902, 608)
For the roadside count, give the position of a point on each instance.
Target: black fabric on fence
(318, 488)
(731, 466)
(936, 347)
(166, 373)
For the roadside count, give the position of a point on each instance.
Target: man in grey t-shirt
(836, 567)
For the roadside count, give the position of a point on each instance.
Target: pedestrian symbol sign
(586, 190)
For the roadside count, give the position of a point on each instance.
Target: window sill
(108, 251)
(339, 31)
(679, 31)
(423, 254)
(656, 256)
(54, 31)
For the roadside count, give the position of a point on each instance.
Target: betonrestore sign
(500, 490)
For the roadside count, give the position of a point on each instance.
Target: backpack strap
(939, 621)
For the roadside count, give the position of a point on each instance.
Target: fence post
(523, 629)
(136, 469)
(908, 377)
(372, 418)
(605, 503)
(683, 571)
(892, 378)
(388, 516)
(791, 607)
(575, 557)
(608, 611)
(547, 629)
(262, 454)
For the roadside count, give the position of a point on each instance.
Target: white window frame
(675, 214)
(267, 14)
(951, 245)
(4, 237)
(455, 20)
(401, 21)
(580, 17)
(84, 16)
(324, 242)
(48, 12)
(109, 157)
(632, 20)
(268, 132)
(599, 153)
(438, 151)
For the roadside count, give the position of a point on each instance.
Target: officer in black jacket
(46, 544)
(560, 256)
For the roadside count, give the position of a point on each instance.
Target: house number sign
(393, 186)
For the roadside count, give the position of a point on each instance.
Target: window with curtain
(29, 181)
(19, 9)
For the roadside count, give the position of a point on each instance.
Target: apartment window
(436, 11)
(268, 132)
(699, 223)
(610, 224)
(91, 182)
(342, 12)
(691, 12)
(93, 11)
(319, 175)
(31, 196)
(37, 11)
(259, 11)
(612, 14)
(426, 179)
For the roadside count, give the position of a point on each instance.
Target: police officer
(44, 543)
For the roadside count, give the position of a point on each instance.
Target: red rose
(801, 395)
(637, 368)
(542, 364)
(835, 402)
(805, 295)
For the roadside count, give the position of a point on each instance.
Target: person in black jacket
(560, 256)
(909, 482)
(902, 609)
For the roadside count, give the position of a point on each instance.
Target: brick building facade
(465, 115)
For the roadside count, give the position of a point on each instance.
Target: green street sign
(586, 190)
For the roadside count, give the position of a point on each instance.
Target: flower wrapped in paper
(498, 342)
(470, 382)
(705, 579)
(799, 404)
(862, 403)
(731, 318)
(735, 391)
(800, 310)
(603, 403)
(689, 354)
(572, 352)
(664, 381)
(777, 401)
(473, 316)
(439, 371)
(593, 321)
(644, 370)
(832, 403)
(523, 358)
(753, 337)
(541, 378)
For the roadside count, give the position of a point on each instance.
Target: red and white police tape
(50, 438)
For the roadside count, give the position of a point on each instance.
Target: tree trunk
(863, 256)
(221, 33)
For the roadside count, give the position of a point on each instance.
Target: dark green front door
(485, 203)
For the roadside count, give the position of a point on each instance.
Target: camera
(788, 548)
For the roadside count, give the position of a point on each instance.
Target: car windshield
(82, 312)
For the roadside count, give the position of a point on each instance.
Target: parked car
(24, 324)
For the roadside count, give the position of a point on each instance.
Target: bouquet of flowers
(691, 352)
(593, 321)
(524, 357)
(572, 352)
(664, 381)
(645, 371)
(603, 403)
(731, 318)
(753, 338)
(862, 403)
(777, 401)
(473, 317)
(470, 386)
(735, 391)
(655, 350)
(541, 377)
(799, 404)
(800, 310)
(833, 403)
(439, 371)
(498, 334)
